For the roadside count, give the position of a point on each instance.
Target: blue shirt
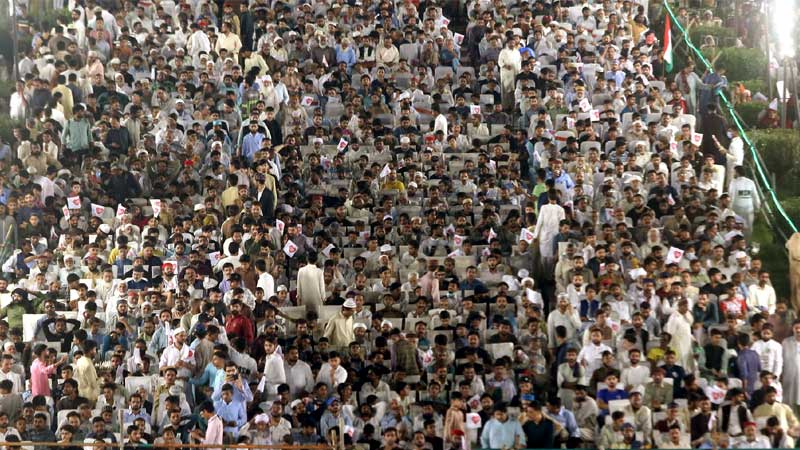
(245, 395)
(498, 434)
(347, 56)
(607, 396)
(128, 416)
(251, 144)
(749, 366)
(329, 421)
(231, 412)
(567, 420)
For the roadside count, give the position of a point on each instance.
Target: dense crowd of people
(400, 225)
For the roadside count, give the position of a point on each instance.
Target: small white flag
(773, 105)
(458, 38)
(584, 105)
(445, 21)
(458, 240)
(156, 205)
(492, 235)
(570, 123)
(65, 211)
(451, 229)
(486, 252)
(324, 61)
(475, 110)
(675, 255)
(92, 238)
(74, 202)
(342, 144)
(98, 210)
(121, 210)
(280, 225)
(53, 234)
(327, 250)
(526, 235)
(673, 146)
(385, 171)
(453, 254)
(307, 100)
(262, 384)
(290, 248)
(594, 115)
(697, 138)
(214, 258)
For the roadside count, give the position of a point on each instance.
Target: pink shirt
(214, 431)
(40, 378)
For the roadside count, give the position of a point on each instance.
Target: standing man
(310, 284)
(744, 198)
(339, 329)
(791, 367)
(214, 430)
(85, 373)
(547, 225)
(510, 62)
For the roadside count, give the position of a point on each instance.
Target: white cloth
(310, 287)
(679, 326)
(762, 298)
(771, 355)
(274, 372)
(546, 229)
(299, 377)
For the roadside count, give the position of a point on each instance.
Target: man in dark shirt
(673, 371)
(700, 423)
(539, 431)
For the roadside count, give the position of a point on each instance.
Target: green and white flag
(668, 44)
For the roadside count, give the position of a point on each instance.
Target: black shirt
(541, 435)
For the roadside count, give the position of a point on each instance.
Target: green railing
(762, 177)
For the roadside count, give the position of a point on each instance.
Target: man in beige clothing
(86, 375)
(339, 329)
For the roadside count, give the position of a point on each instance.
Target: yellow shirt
(396, 185)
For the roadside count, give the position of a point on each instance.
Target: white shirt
(635, 376)
(771, 355)
(593, 356)
(14, 377)
(274, 373)
(172, 355)
(762, 298)
(299, 377)
(743, 193)
(440, 124)
(759, 442)
(324, 376)
(267, 283)
(736, 152)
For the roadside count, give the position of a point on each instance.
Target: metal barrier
(164, 445)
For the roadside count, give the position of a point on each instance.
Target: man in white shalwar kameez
(679, 326)
(546, 229)
(510, 62)
(791, 368)
(198, 42)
